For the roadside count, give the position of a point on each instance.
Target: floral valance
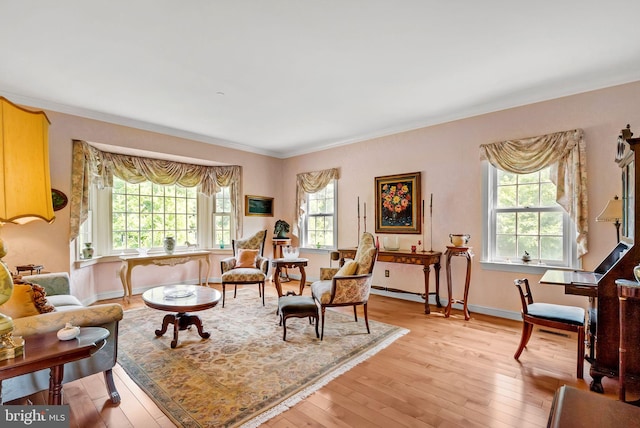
(565, 152)
(310, 182)
(93, 166)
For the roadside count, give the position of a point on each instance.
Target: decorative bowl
(391, 243)
(290, 252)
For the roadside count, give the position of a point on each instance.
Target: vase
(87, 251)
(169, 244)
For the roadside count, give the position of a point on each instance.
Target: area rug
(244, 374)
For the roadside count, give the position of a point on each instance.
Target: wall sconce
(25, 192)
(612, 213)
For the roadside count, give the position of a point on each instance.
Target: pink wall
(446, 155)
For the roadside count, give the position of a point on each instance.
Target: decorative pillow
(27, 299)
(349, 268)
(246, 258)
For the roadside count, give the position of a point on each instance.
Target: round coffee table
(181, 299)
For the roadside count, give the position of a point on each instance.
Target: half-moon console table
(162, 259)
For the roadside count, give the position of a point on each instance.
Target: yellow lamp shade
(25, 183)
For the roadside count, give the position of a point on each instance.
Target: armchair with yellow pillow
(43, 303)
(349, 285)
(247, 266)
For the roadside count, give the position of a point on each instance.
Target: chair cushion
(569, 314)
(349, 268)
(240, 275)
(321, 291)
(246, 258)
(289, 305)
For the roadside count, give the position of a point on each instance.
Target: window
(523, 216)
(319, 225)
(144, 214)
(222, 224)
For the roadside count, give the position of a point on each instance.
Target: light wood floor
(447, 372)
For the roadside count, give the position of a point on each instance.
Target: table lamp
(25, 192)
(612, 213)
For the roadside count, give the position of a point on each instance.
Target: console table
(162, 259)
(424, 258)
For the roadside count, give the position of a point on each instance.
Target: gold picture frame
(261, 206)
(398, 203)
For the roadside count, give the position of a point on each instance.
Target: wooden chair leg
(261, 289)
(526, 334)
(355, 313)
(223, 288)
(580, 353)
(235, 290)
(322, 328)
(366, 318)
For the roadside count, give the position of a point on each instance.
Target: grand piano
(600, 285)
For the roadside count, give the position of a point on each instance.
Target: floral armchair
(349, 285)
(247, 266)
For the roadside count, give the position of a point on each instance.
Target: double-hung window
(523, 218)
(319, 221)
(222, 219)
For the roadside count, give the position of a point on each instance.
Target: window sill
(82, 263)
(533, 267)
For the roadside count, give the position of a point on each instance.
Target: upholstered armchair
(349, 285)
(247, 266)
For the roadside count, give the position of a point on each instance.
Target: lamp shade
(612, 212)
(25, 183)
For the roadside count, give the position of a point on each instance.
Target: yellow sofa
(68, 310)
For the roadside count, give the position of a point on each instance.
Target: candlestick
(431, 220)
(365, 219)
(358, 237)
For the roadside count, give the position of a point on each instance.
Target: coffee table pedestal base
(181, 321)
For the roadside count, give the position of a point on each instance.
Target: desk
(161, 259)
(45, 351)
(424, 258)
(467, 254)
(581, 283)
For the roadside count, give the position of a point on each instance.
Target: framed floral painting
(398, 206)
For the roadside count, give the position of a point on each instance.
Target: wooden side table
(627, 291)
(458, 252)
(278, 244)
(280, 264)
(42, 351)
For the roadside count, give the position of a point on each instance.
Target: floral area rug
(244, 374)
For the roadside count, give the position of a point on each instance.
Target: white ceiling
(286, 77)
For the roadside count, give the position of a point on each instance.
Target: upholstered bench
(299, 307)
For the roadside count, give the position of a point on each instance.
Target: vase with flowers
(396, 201)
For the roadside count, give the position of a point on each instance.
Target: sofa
(68, 309)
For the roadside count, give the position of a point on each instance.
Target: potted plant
(281, 229)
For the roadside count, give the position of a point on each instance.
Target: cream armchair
(350, 285)
(247, 266)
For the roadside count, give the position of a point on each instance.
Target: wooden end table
(283, 263)
(46, 351)
(468, 254)
(181, 299)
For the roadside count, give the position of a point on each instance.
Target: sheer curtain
(310, 182)
(565, 152)
(93, 166)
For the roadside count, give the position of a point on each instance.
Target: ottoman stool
(297, 306)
